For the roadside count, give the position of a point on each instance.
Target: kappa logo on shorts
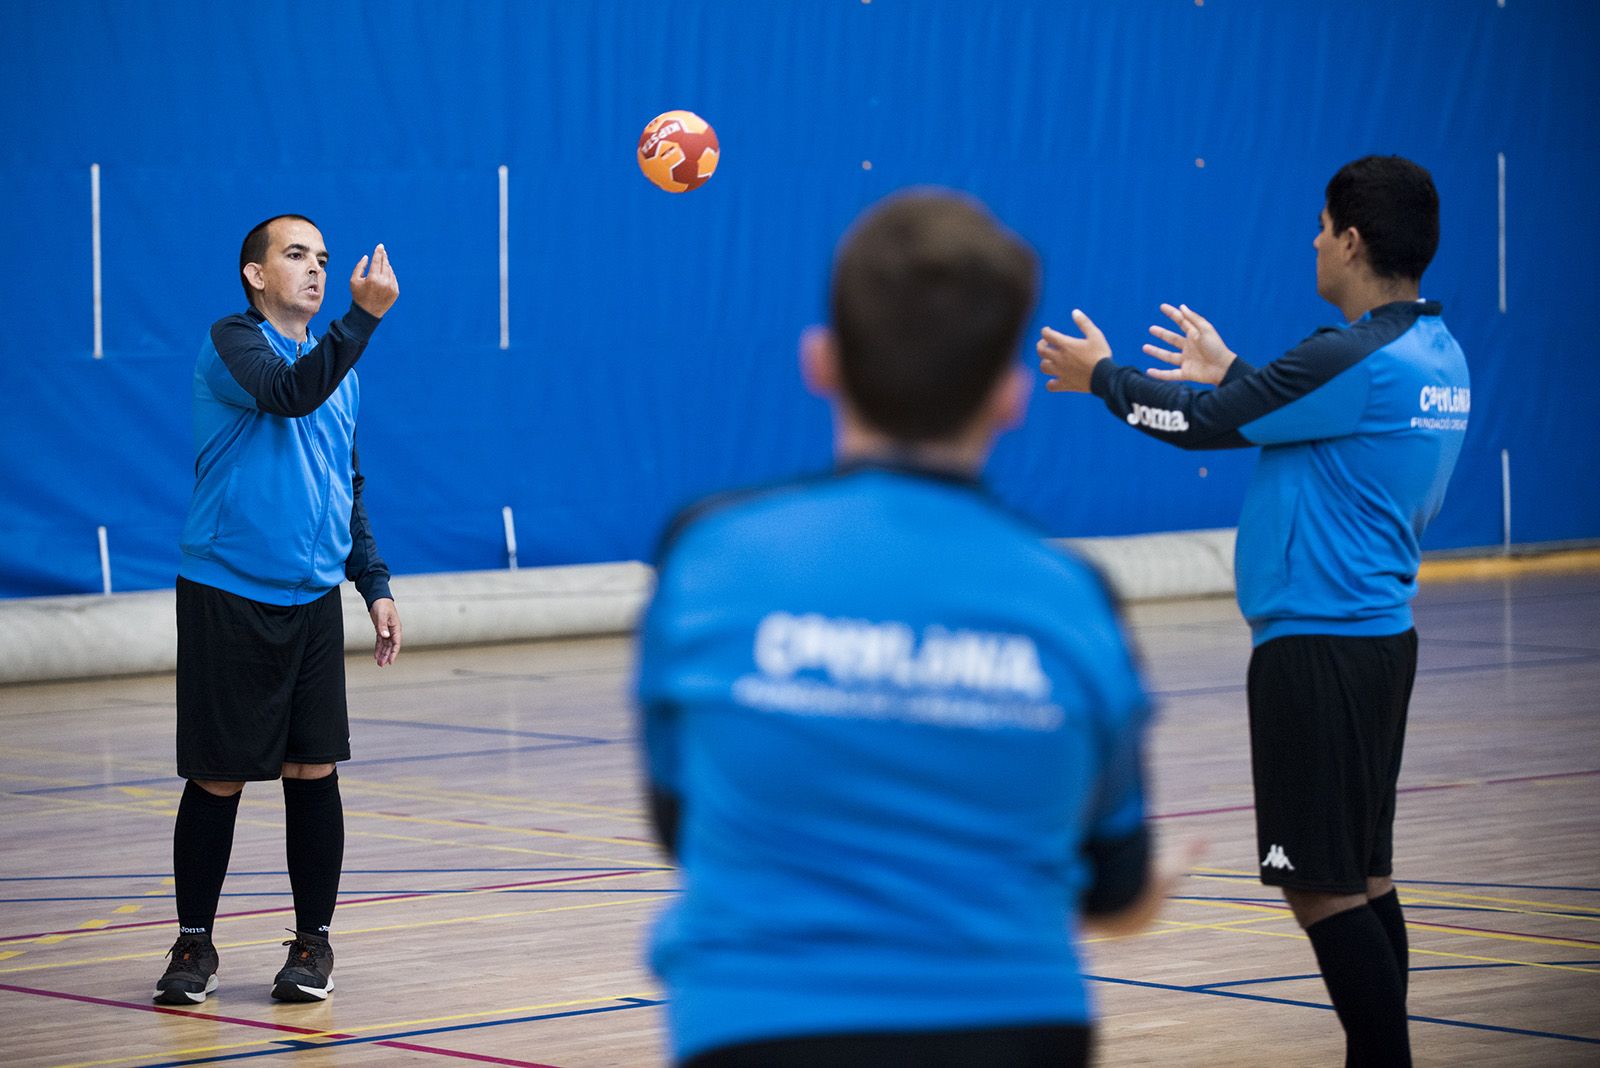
(1276, 858)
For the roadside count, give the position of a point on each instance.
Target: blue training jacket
(276, 514)
(1360, 426)
(903, 734)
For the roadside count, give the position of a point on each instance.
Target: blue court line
(347, 871)
(172, 779)
(1424, 968)
(301, 1046)
(1329, 1008)
(505, 732)
(503, 750)
(413, 891)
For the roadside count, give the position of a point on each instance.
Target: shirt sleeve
(1315, 390)
(364, 566)
(658, 721)
(251, 375)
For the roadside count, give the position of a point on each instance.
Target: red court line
(1402, 790)
(168, 1011)
(484, 1057)
(352, 901)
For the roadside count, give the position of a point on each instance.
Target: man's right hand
(1201, 355)
(375, 291)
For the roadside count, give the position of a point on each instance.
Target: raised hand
(1069, 361)
(1201, 355)
(376, 290)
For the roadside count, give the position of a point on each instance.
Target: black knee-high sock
(202, 839)
(1363, 980)
(1394, 925)
(313, 819)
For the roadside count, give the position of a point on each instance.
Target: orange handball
(678, 151)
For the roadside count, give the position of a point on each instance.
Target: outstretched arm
(1304, 395)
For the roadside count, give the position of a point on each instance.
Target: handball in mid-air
(678, 151)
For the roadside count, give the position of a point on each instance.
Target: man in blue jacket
(275, 524)
(1360, 427)
(893, 738)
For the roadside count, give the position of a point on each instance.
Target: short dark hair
(254, 249)
(929, 297)
(1393, 204)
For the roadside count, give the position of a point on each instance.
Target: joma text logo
(1158, 418)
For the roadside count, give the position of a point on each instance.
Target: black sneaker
(191, 973)
(308, 973)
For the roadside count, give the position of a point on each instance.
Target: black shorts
(1046, 1046)
(258, 684)
(1327, 728)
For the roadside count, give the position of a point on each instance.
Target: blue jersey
(276, 514)
(1360, 428)
(897, 723)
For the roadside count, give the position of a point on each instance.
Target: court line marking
(1423, 788)
(309, 1034)
(284, 872)
(1424, 968)
(301, 1045)
(504, 732)
(1284, 912)
(359, 903)
(168, 810)
(1329, 1008)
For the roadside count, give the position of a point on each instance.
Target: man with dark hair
(893, 738)
(275, 523)
(1360, 427)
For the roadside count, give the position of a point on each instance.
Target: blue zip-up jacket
(276, 514)
(1360, 427)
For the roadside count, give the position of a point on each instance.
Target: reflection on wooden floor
(499, 875)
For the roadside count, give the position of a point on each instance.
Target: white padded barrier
(43, 638)
(1154, 567)
(135, 633)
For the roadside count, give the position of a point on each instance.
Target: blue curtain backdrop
(1151, 149)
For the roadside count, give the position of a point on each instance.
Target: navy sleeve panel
(364, 566)
(1120, 868)
(291, 389)
(1230, 416)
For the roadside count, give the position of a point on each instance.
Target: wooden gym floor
(499, 879)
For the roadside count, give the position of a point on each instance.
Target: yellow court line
(1413, 894)
(524, 804)
(532, 832)
(1491, 567)
(351, 1031)
(1535, 940)
(73, 936)
(1459, 896)
(1180, 925)
(169, 811)
(1502, 910)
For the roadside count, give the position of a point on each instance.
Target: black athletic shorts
(1046, 1046)
(258, 684)
(1327, 727)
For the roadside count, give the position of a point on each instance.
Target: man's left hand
(1069, 361)
(386, 624)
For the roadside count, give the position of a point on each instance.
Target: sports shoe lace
(307, 950)
(185, 948)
